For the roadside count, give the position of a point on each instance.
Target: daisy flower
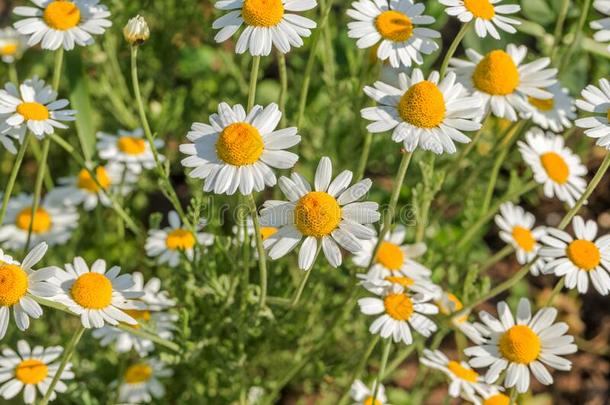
(394, 27)
(602, 25)
(235, 151)
(18, 281)
(61, 23)
(129, 148)
(492, 395)
(580, 258)
(425, 113)
(486, 13)
(12, 45)
(596, 101)
(465, 382)
(169, 244)
(555, 113)
(140, 383)
(329, 215)
(53, 222)
(522, 346)
(96, 295)
(154, 297)
(32, 370)
(517, 229)
(399, 312)
(34, 106)
(502, 80)
(238, 232)
(363, 395)
(448, 304)
(268, 22)
(554, 165)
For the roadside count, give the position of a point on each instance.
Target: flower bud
(136, 31)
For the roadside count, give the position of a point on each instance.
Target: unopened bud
(136, 31)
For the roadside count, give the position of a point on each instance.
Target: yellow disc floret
(180, 239)
(400, 280)
(496, 74)
(61, 15)
(317, 214)
(33, 111)
(240, 144)
(520, 345)
(423, 105)
(268, 231)
(370, 401)
(390, 256)
(138, 314)
(524, 238)
(398, 306)
(92, 291)
(31, 371)
(8, 49)
(394, 26)
(480, 8)
(556, 167)
(131, 145)
(86, 182)
(138, 373)
(462, 372)
(13, 284)
(542, 105)
(42, 220)
(262, 13)
(584, 254)
(498, 399)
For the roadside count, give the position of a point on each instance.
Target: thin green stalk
(584, 13)
(384, 361)
(256, 61)
(453, 47)
(245, 256)
(513, 396)
(556, 290)
(65, 358)
(12, 73)
(558, 34)
(501, 254)
(37, 151)
(283, 71)
(359, 368)
(46, 143)
(13, 176)
(364, 156)
(455, 167)
(303, 283)
(262, 258)
(59, 60)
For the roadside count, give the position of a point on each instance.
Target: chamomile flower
(556, 113)
(96, 295)
(428, 113)
(53, 222)
(579, 259)
(329, 216)
(248, 227)
(492, 395)
(487, 15)
(448, 303)
(395, 27)
(12, 45)
(32, 370)
(596, 100)
(522, 346)
(554, 165)
(169, 244)
(268, 22)
(517, 229)
(140, 382)
(362, 394)
(63, 23)
(399, 312)
(465, 382)
(603, 25)
(154, 297)
(129, 148)
(502, 80)
(34, 106)
(17, 282)
(236, 151)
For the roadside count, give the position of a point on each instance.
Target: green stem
(555, 292)
(256, 61)
(359, 368)
(12, 73)
(303, 283)
(38, 188)
(453, 47)
(501, 254)
(584, 13)
(59, 60)
(262, 258)
(364, 156)
(65, 358)
(283, 71)
(558, 34)
(513, 396)
(384, 361)
(455, 167)
(13, 176)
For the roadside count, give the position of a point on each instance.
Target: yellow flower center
(8, 49)
(398, 306)
(496, 74)
(138, 373)
(240, 144)
(390, 256)
(42, 220)
(31, 371)
(542, 105)
(13, 284)
(520, 345)
(180, 239)
(262, 13)
(33, 111)
(394, 26)
(423, 105)
(556, 167)
(463, 373)
(524, 238)
(457, 306)
(584, 254)
(268, 231)
(608, 114)
(131, 145)
(92, 291)
(480, 8)
(498, 399)
(400, 280)
(317, 214)
(369, 401)
(62, 15)
(140, 315)
(86, 182)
